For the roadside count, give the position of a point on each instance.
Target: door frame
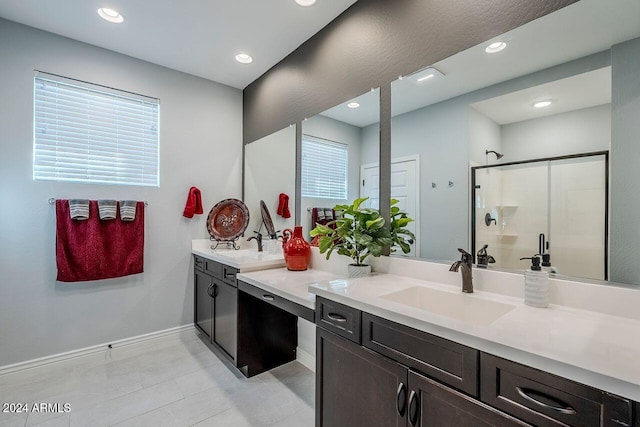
(411, 158)
(604, 153)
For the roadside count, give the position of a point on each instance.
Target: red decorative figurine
(297, 251)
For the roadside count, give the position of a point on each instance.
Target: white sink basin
(460, 306)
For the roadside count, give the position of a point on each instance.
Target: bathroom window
(324, 168)
(93, 134)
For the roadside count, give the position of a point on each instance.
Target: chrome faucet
(258, 239)
(464, 265)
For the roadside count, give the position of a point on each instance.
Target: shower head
(498, 155)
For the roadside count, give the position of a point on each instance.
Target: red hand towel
(283, 206)
(95, 249)
(194, 203)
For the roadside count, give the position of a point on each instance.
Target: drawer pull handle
(229, 275)
(561, 407)
(414, 408)
(209, 290)
(401, 399)
(337, 317)
(268, 297)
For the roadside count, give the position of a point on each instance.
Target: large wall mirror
(269, 172)
(339, 155)
(523, 144)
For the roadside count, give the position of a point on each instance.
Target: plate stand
(230, 243)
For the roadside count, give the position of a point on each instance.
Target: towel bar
(52, 201)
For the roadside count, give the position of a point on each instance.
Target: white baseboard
(306, 359)
(34, 363)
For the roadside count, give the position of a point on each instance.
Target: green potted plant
(360, 232)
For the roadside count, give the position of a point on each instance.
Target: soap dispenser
(536, 284)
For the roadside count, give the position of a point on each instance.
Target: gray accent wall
(370, 45)
(625, 154)
(200, 144)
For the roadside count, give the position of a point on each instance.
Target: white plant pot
(354, 270)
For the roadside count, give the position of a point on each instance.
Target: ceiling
(565, 95)
(581, 29)
(199, 37)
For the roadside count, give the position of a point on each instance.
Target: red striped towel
(94, 249)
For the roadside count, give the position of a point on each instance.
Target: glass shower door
(563, 199)
(516, 199)
(577, 211)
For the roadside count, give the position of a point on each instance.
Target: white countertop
(242, 259)
(592, 348)
(291, 285)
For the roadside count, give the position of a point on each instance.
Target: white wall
(201, 141)
(574, 132)
(270, 169)
(334, 130)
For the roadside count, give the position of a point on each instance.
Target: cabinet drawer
(213, 268)
(454, 364)
(538, 397)
(437, 405)
(275, 300)
(198, 263)
(229, 275)
(340, 319)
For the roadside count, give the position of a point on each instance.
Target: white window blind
(324, 168)
(93, 134)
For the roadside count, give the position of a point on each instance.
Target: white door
(405, 186)
(370, 185)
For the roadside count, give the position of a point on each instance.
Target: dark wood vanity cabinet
(357, 387)
(255, 330)
(215, 307)
(396, 375)
(203, 305)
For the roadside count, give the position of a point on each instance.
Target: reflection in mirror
(550, 93)
(269, 171)
(340, 150)
(556, 208)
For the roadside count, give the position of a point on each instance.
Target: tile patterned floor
(172, 381)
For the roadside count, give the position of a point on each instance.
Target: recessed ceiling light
(495, 47)
(542, 104)
(306, 3)
(243, 58)
(353, 105)
(110, 15)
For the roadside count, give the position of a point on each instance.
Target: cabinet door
(203, 302)
(225, 317)
(434, 404)
(357, 387)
